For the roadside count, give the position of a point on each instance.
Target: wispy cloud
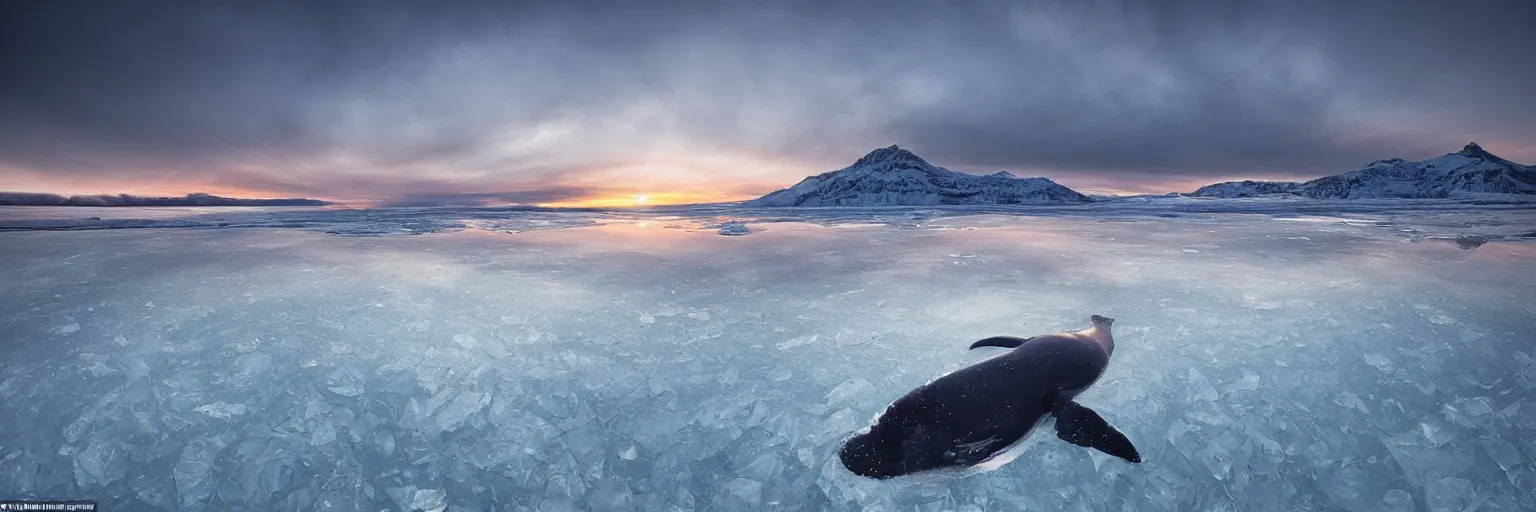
(410, 102)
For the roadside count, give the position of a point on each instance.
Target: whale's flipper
(1081, 426)
(1000, 341)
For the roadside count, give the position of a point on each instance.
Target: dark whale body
(969, 416)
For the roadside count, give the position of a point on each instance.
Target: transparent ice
(1295, 355)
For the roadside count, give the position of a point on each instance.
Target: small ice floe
(734, 229)
(222, 410)
(1469, 242)
(797, 341)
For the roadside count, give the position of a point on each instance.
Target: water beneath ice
(1270, 356)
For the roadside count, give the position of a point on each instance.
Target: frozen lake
(1271, 355)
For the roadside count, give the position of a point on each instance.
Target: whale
(977, 418)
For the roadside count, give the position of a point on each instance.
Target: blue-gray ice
(1271, 355)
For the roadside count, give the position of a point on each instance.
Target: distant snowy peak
(890, 155)
(1472, 150)
(1472, 170)
(895, 177)
(1246, 188)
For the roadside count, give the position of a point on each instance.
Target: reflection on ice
(1262, 365)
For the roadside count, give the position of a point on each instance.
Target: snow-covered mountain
(893, 176)
(1469, 171)
(1247, 188)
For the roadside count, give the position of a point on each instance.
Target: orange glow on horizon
(655, 179)
(632, 186)
(599, 199)
(643, 199)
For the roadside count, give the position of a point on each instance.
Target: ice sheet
(1352, 358)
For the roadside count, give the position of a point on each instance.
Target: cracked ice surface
(641, 361)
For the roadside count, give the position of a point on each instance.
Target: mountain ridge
(892, 176)
(1473, 170)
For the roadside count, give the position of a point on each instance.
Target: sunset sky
(590, 102)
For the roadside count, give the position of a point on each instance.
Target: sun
(636, 200)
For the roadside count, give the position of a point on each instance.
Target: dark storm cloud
(1222, 88)
(450, 100)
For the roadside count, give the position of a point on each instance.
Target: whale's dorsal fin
(1081, 426)
(1001, 341)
